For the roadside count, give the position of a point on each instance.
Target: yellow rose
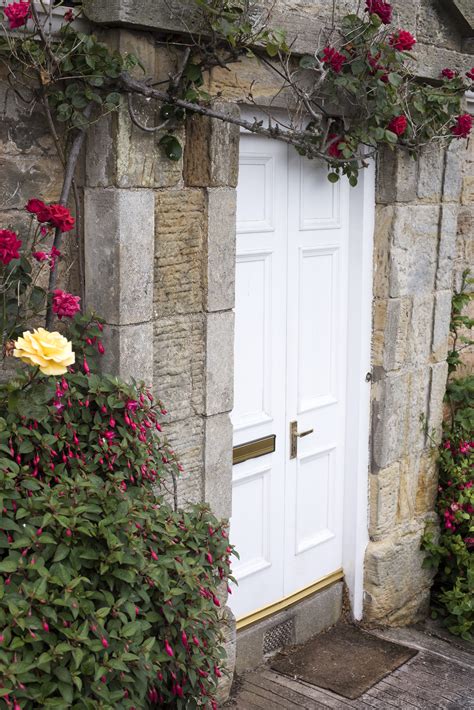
(51, 352)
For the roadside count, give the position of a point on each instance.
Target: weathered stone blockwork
(415, 250)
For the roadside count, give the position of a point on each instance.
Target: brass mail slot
(254, 449)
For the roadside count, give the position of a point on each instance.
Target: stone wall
(415, 253)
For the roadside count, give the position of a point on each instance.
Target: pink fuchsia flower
(168, 649)
(447, 444)
(104, 642)
(448, 73)
(9, 246)
(69, 16)
(402, 40)
(463, 126)
(470, 74)
(18, 13)
(333, 58)
(65, 305)
(398, 125)
(464, 447)
(380, 8)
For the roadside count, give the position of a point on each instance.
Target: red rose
(470, 74)
(380, 8)
(402, 40)
(333, 147)
(18, 13)
(334, 58)
(463, 126)
(9, 246)
(38, 208)
(448, 73)
(398, 125)
(65, 305)
(61, 218)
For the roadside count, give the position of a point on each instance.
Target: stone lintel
(303, 25)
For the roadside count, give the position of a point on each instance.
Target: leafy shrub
(450, 553)
(108, 595)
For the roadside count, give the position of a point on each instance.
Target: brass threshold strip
(291, 599)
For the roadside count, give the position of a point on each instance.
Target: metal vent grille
(279, 636)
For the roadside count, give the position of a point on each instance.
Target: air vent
(279, 636)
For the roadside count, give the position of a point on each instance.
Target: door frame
(359, 338)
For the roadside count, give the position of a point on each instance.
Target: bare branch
(70, 169)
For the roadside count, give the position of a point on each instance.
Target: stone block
(399, 402)
(453, 170)
(379, 321)
(27, 176)
(413, 256)
(439, 376)
(129, 352)
(383, 500)
(420, 330)
(179, 365)
(221, 243)
(396, 585)
(384, 216)
(427, 488)
(181, 224)
(468, 190)
(441, 324)
(211, 157)
(431, 172)
(397, 175)
(389, 420)
(218, 435)
(119, 245)
(447, 245)
(399, 311)
(219, 362)
(186, 436)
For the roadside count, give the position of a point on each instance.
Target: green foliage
(108, 596)
(371, 82)
(449, 552)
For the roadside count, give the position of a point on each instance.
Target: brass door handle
(294, 436)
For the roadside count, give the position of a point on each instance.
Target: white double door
(290, 366)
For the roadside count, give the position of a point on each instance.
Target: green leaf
(171, 146)
(333, 177)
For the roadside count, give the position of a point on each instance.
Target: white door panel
(290, 365)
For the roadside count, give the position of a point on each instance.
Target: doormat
(344, 659)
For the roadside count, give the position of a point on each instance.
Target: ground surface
(441, 675)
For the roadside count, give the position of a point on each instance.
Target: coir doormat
(344, 659)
